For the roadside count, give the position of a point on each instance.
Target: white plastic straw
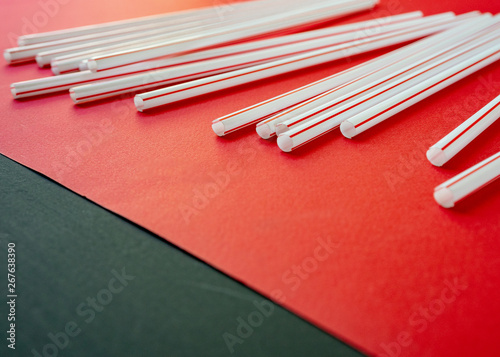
(351, 98)
(329, 121)
(322, 105)
(46, 55)
(56, 84)
(224, 34)
(380, 112)
(446, 148)
(468, 182)
(131, 41)
(199, 87)
(44, 52)
(245, 55)
(149, 69)
(171, 18)
(273, 106)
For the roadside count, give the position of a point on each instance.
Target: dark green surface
(66, 250)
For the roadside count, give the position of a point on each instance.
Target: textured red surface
(396, 251)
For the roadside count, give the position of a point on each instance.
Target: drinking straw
(44, 52)
(224, 34)
(468, 182)
(266, 109)
(171, 18)
(446, 148)
(354, 97)
(231, 79)
(245, 55)
(375, 115)
(149, 68)
(135, 39)
(329, 121)
(326, 103)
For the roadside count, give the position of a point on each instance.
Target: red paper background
(396, 248)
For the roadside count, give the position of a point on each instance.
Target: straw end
(281, 128)
(39, 61)
(13, 91)
(84, 65)
(73, 96)
(285, 143)
(92, 65)
(444, 197)
(7, 56)
(55, 69)
(436, 156)
(218, 128)
(348, 129)
(139, 103)
(264, 131)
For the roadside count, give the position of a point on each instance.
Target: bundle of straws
(167, 58)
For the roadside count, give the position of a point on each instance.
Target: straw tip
(139, 103)
(348, 129)
(444, 197)
(13, 90)
(218, 128)
(92, 65)
(264, 131)
(73, 95)
(285, 143)
(7, 56)
(281, 128)
(84, 65)
(39, 61)
(436, 156)
(55, 68)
